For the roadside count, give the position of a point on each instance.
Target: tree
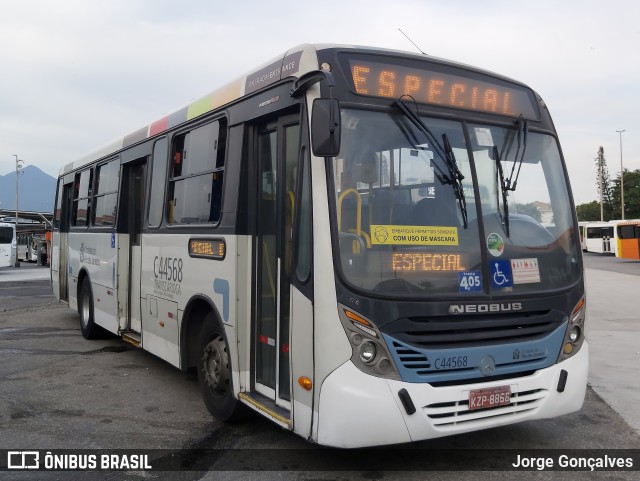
(631, 195)
(603, 182)
(530, 210)
(588, 212)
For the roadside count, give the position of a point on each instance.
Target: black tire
(214, 372)
(85, 308)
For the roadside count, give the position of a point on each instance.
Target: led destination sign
(413, 262)
(379, 79)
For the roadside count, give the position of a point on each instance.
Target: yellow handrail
(358, 212)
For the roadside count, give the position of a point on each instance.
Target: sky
(77, 74)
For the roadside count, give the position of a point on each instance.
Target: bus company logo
(484, 308)
(516, 354)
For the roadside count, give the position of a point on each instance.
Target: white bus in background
(598, 237)
(303, 238)
(7, 244)
(582, 228)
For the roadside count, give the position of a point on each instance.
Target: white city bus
(7, 244)
(599, 237)
(327, 240)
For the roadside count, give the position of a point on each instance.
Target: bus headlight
(367, 352)
(370, 353)
(574, 337)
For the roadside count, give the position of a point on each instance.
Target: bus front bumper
(357, 410)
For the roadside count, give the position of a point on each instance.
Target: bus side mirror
(325, 127)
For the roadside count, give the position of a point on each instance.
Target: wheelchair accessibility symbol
(501, 275)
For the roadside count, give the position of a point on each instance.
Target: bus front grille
(469, 331)
(455, 413)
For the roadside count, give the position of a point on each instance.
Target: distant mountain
(36, 189)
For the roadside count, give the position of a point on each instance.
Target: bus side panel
(330, 340)
(241, 363)
(171, 278)
(97, 255)
(302, 361)
(55, 262)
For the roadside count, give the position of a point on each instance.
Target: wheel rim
(84, 308)
(215, 365)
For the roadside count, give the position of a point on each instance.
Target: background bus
(582, 229)
(30, 247)
(627, 238)
(331, 241)
(599, 237)
(7, 244)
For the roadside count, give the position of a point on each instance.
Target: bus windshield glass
(400, 218)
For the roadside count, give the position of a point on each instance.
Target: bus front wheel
(85, 309)
(214, 372)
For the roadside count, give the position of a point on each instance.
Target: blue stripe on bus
(458, 364)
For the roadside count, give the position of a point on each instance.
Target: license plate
(490, 397)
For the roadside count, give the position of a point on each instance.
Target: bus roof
(293, 63)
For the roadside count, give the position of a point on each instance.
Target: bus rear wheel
(85, 309)
(214, 372)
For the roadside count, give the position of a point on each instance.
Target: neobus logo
(482, 308)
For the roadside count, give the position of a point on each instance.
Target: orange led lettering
(506, 101)
(387, 84)
(474, 98)
(455, 90)
(435, 91)
(426, 262)
(411, 84)
(490, 100)
(360, 79)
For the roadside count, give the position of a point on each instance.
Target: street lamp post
(621, 176)
(18, 171)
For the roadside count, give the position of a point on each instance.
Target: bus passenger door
(134, 193)
(278, 147)
(63, 241)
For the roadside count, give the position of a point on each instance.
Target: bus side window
(158, 182)
(197, 172)
(81, 201)
(106, 198)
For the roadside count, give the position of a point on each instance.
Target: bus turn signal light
(305, 383)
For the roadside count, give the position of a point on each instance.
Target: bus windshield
(400, 221)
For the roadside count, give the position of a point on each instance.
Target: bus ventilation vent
(446, 415)
(410, 358)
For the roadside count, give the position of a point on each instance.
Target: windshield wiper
(523, 130)
(451, 174)
(504, 189)
(511, 182)
(457, 186)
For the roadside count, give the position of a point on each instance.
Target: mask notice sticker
(414, 235)
(525, 271)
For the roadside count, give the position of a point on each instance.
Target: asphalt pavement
(612, 329)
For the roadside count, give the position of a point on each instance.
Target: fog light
(574, 334)
(367, 352)
(384, 365)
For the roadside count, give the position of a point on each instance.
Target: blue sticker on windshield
(501, 275)
(470, 281)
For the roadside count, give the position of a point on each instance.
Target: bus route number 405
(490, 397)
